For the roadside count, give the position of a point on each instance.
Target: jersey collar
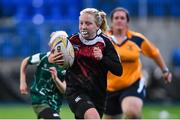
(93, 41)
(116, 41)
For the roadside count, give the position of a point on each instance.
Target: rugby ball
(61, 43)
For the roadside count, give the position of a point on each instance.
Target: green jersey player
(47, 87)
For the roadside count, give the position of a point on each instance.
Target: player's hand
(56, 58)
(97, 53)
(53, 72)
(23, 88)
(167, 77)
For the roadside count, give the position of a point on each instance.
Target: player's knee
(91, 114)
(131, 107)
(132, 113)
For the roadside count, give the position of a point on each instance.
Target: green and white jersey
(43, 89)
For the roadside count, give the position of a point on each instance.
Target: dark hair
(120, 9)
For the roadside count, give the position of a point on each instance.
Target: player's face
(119, 21)
(87, 26)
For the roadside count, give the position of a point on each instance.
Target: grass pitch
(150, 111)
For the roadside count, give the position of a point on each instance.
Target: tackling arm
(23, 83)
(151, 51)
(166, 73)
(61, 85)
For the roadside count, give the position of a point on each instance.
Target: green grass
(161, 111)
(26, 112)
(149, 112)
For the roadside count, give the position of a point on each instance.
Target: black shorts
(44, 111)
(114, 99)
(80, 103)
(49, 113)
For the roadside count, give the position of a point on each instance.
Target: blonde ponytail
(103, 25)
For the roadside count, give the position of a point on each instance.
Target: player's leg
(91, 113)
(48, 113)
(45, 112)
(82, 107)
(113, 107)
(132, 101)
(131, 107)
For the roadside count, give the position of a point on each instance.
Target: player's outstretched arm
(165, 71)
(61, 85)
(23, 83)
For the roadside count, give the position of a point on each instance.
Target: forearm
(114, 66)
(165, 71)
(111, 60)
(160, 62)
(60, 85)
(23, 70)
(23, 84)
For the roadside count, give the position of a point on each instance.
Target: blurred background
(25, 27)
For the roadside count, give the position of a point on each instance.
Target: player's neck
(120, 35)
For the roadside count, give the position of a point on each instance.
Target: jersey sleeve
(110, 59)
(148, 48)
(36, 58)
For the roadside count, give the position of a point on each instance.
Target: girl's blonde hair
(100, 17)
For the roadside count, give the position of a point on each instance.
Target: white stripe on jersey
(141, 85)
(35, 58)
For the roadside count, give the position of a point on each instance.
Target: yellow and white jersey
(129, 51)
